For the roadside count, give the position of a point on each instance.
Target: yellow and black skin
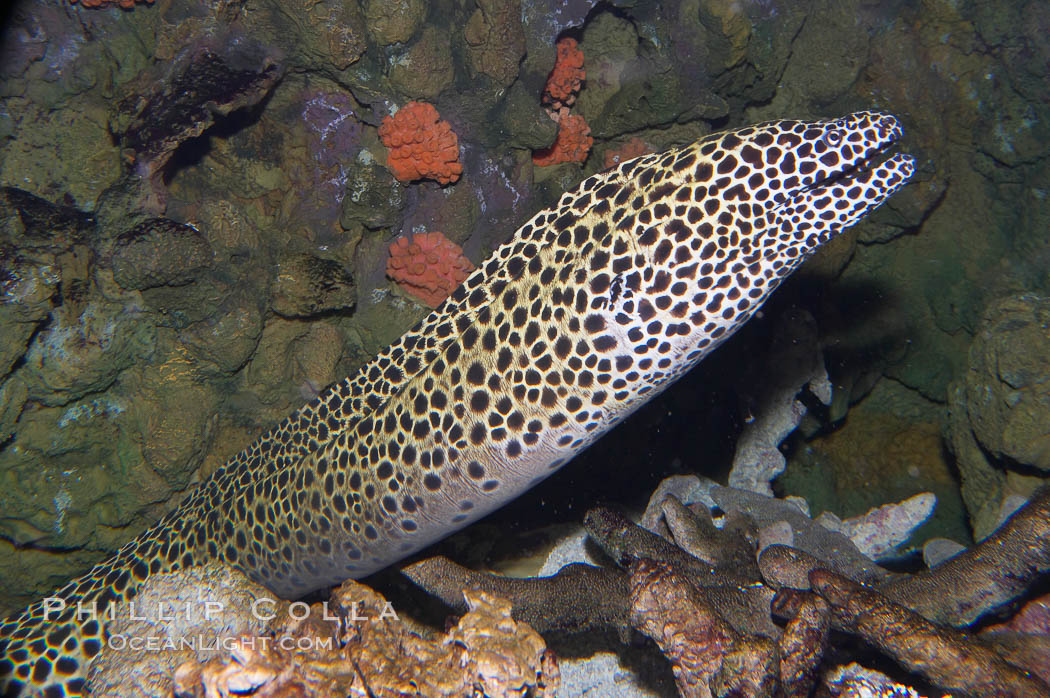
(591, 309)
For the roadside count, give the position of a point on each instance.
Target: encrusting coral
(572, 144)
(567, 77)
(428, 266)
(633, 148)
(356, 645)
(421, 145)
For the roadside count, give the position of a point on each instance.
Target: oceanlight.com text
(207, 643)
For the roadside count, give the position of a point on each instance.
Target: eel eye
(833, 137)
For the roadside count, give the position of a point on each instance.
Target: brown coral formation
(495, 39)
(421, 145)
(159, 252)
(1000, 407)
(203, 603)
(356, 645)
(157, 115)
(953, 660)
(707, 655)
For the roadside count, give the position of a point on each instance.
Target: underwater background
(199, 202)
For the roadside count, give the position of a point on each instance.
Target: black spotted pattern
(590, 309)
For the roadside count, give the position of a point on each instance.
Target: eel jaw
(841, 196)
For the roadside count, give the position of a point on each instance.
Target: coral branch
(954, 661)
(577, 599)
(996, 571)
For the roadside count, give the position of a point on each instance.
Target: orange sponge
(421, 145)
(572, 144)
(567, 77)
(428, 266)
(125, 4)
(630, 150)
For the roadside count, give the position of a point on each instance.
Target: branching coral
(709, 607)
(428, 266)
(421, 145)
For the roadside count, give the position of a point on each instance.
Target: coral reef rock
(205, 605)
(426, 68)
(1000, 408)
(156, 117)
(308, 285)
(159, 252)
(495, 39)
(373, 198)
(394, 21)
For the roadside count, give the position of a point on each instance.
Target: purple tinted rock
(331, 119)
(333, 135)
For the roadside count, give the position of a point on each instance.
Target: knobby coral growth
(421, 145)
(567, 77)
(572, 144)
(356, 645)
(428, 266)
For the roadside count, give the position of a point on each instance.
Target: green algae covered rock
(425, 69)
(307, 285)
(83, 353)
(495, 40)
(373, 197)
(394, 21)
(1008, 381)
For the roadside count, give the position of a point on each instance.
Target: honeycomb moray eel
(591, 309)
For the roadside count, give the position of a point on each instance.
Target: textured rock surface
(495, 40)
(1000, 409)
(308, 285)
(1008, 382)
(426, 68)
(355, 643)
(159, 252)
(394, 22)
